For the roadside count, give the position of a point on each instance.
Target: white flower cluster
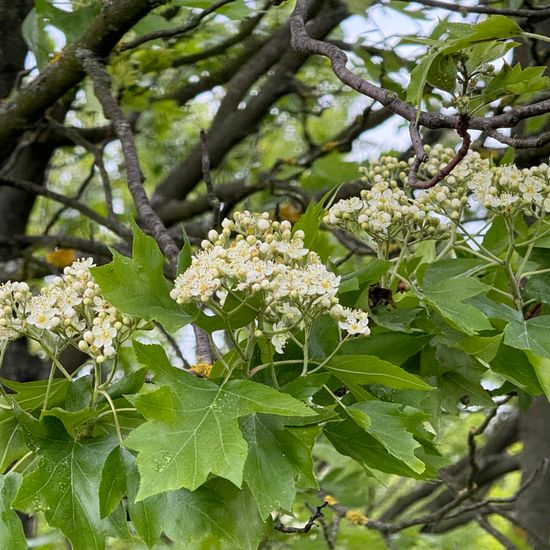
(14, 298)
(508, 189)
(71, 308)
(254, 254)
(382, 213)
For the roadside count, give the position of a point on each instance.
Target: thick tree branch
(58, 77)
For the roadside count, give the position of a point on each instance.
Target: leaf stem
(114, 411)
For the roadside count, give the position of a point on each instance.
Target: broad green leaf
(371, 273)
(239, 308)
(398, 320)
(29, 396)
(12, 442)
(66, 483)
(276, 457)
(137, 285)
(538, 287)
(447, 297)
(114, 483)
(192, 429)
(352, 440)
(12, 535)
(217, 513)
(532, 335)
(542, 369)
(442, 73)
(457, 387)
(37, 39)
(484, 347)
(366, 369)
(324, 337)
(513, 365)
(390, 346)
(516, 81)
(71, 420)
(388, 423)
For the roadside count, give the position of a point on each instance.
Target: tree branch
(102, 89)
(60, 75)
(193, 22)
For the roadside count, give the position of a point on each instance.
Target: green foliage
(137, 285)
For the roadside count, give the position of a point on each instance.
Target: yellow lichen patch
(201, 369)
(356, 517)
(61, 257)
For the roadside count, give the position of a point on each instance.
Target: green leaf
(365, 369)
(538, 287)
(309, 223)
(216, 515)
(457, 387)
(114, 483)
(389, 423)
(11, 528)
(12, 442)
(192, 429)
(516, 81)
(484, 347)
(390, 346)
(324, 337)
(276, 457)
(352, 440)
(66, 483)
(514, 366)
(29, 396)
(447, 296)
(185, 255)
(542, 369)
(442, 73)
(371, 273)
(137, 285)
(529, 335)
(419, 76)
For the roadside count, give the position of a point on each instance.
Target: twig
(116, 227)
(413, 181)
(486, 526)
(95, 248)
(78, 139)
(76, 197)
(245, 29)
(307, 527)
(514, 12)
(192, 23)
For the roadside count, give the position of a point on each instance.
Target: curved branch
(513, 12)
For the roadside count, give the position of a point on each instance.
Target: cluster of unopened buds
(70, 308)
(508, 189)
(383, 213)
(255, 255)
